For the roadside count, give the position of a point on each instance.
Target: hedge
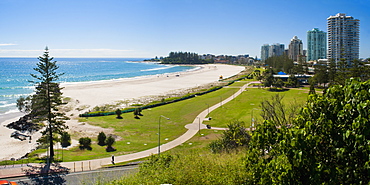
(161, 103)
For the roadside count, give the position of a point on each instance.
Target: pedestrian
(113, 159)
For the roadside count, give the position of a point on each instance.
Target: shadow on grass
(47, 174)
(278, 90)
(110, 149)
(85, 147)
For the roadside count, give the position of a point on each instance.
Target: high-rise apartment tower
(276, 50)
(295, 48)
(265, 52)
(316, 44)
(343, 37)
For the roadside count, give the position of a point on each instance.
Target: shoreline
(63, 84)
(105, 92)
(89, 95)
(14, 113)
(9, 96)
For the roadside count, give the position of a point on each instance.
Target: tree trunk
(51, 143)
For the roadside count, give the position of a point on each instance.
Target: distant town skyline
(150, 28)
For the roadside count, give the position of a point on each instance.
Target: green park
(263, 134)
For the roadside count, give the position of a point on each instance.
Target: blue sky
(149, 28)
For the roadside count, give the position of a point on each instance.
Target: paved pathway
(193, 128)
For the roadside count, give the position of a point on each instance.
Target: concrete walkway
(193, 128)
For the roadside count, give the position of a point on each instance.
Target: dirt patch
(212, 136)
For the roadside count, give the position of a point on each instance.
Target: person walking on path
(112, 159)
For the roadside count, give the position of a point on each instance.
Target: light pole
(221, 101)
(199, 125)
(208, 108)
(252, 120)
(159, 133)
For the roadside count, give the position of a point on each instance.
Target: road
(87, 177)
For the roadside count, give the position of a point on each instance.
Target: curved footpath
(193, 128)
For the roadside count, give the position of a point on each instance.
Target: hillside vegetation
(327, 143)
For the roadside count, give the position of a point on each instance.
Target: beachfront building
(276, 50)
(295, 49)
(343, 37)
(316, 44)
(268, 51)
(265, 52)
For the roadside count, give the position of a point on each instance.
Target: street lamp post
(208, 109)
(198, 125)
(221, 101)
(252, 120)
(159, 133)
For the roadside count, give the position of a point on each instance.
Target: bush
(65, 139)
(137, 113)
(327, 143)
(101, 138)
(85, 143)
(236, 136)
(119, 112)
(197, 167)
(110, 141)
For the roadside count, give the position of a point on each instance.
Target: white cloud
(8, 44)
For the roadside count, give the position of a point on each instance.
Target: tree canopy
(184, 58)
(280, 63)
(326, 144)
(43, 106)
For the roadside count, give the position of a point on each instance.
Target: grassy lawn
(240, 83)
(199, 141)
(141, 134)
(248, 103)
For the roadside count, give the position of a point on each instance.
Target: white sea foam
(64, 84)
(13, 95)
(7, 105)
(12, 111)
(102, 81)
(158, 68)
(18, 87)
(195, 68)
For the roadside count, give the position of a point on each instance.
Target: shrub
(236, 136)
(196, 167)
(118, 112)
(137, 113)
(65, 139)
(85, 143)
(101, 138)
(110, 141)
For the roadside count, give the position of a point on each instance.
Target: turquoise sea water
(15, 74)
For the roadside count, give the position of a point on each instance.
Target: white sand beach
(91, 94)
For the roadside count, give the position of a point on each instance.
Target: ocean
(15, 74)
